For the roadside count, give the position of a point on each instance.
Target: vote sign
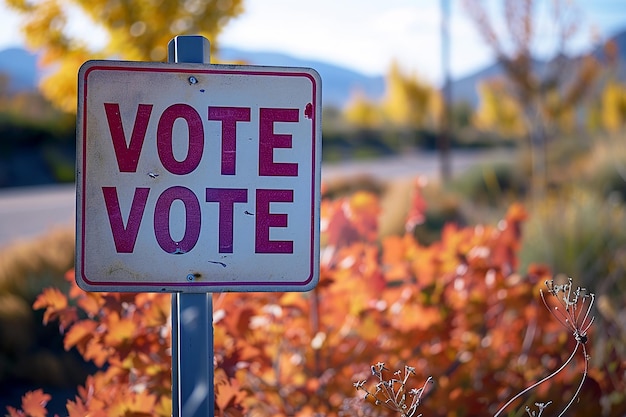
(197, 178)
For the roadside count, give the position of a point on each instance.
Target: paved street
(30, 211)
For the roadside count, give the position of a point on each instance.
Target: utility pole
(445, 129)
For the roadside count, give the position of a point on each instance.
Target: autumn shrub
(570, 306)
(458, 310)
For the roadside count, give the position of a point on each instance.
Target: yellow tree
(613, 106)
(136, 30)
(410, 102)
(497, 111)
(363, 112)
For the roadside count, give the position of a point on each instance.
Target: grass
(29, 265)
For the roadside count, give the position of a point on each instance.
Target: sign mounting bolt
(190, 277)
(193, 80)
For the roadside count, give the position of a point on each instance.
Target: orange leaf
(14, 413)
(34, 403)
(142, 403)
(95, 352)
(55, 303)
(79, 335)
(394, 250)
(120, 332)
(77, 409)
(91, 303)
(53, 300)
(228, 392)
(50, 297)
(156, 306)
(416, 317)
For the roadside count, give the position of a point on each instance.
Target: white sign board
(197, 178)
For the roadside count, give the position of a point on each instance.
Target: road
(410, 165)
(28, 212)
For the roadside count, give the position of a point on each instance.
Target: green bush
(60, 163)
(605, 167)
(491, 184)
(579, 233)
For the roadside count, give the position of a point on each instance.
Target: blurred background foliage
(138, 31)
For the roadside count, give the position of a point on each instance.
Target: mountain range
(465, 89)
(338, 83)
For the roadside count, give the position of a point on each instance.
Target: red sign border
(213, 69)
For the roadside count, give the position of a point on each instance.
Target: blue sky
(367, 35)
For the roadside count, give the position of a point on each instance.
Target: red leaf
(417, 210)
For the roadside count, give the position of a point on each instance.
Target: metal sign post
(192, 314)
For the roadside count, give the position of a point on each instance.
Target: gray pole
(192, 314)
(446, 119)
